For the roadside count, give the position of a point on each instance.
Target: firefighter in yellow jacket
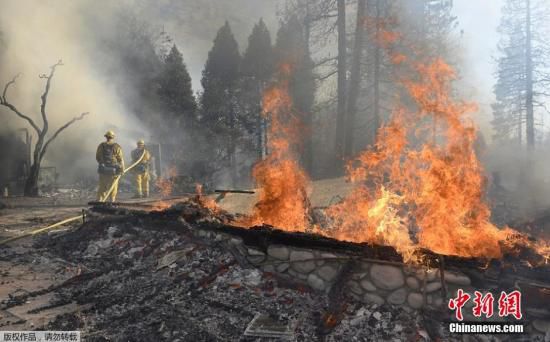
(111, 165)
(141, 170)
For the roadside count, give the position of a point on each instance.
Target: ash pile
(149, 277)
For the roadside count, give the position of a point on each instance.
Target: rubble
(183, 274)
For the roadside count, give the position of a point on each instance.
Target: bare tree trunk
(260, 123)
(520, 128)
(529, 118)
(41, 146)
(376, 112)
(31, 183)
(342, 79)
(355, 78)
(307, 158)
(231, 148)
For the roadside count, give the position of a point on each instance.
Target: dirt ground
(19, 215)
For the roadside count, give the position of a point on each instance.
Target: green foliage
(175, 92)
(258, 58)
(219, 80)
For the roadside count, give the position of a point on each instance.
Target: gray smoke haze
(39, 33)
(36, 34)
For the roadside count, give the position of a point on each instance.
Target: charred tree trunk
(342, 79)
(259, 124)
(307, 158)
(231, 148)
(529, 118)
(31, 184)
(41, 146)
(355, 78)
(376, 112)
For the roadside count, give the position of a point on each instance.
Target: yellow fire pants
(142, 184)
(105, 182)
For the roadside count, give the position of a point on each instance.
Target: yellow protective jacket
(143, 165)
(110, 153)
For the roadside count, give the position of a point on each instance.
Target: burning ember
(165, 185)
(206, 202)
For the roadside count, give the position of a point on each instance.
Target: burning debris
(282, 182)
(143, 276)
(420, 186)
(409, 250)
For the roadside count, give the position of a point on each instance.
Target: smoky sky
(39, 33)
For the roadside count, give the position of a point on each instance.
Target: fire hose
(40, 230)
(72, 219)
(117, 178)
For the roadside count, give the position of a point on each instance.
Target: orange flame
(423, 179)
(283, 200)
(166, 184)
(206, 202)
(421, 185)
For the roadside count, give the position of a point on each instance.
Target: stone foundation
(368, 281)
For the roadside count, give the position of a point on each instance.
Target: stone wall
(369, 280)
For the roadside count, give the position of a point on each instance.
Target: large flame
(423, 178)
(283, 200)
(420, 185)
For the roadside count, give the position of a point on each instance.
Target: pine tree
(175, 92)
(291, 47)
(522, 71)
(219, 100)
(257, 69)
(258, 58)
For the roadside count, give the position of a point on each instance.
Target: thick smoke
(39, 33)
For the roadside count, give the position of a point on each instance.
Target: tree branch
(44, 96)
(6, 87)
(4, 102)
(59, 130)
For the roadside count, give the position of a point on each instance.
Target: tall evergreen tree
(175, 92)
(257, 69)
(258, 58)
(291, 47)
(522, 70)
(219, 101)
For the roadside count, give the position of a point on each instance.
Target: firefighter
(141, 170)
(111, 165)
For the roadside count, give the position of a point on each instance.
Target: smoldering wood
(483, 272)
